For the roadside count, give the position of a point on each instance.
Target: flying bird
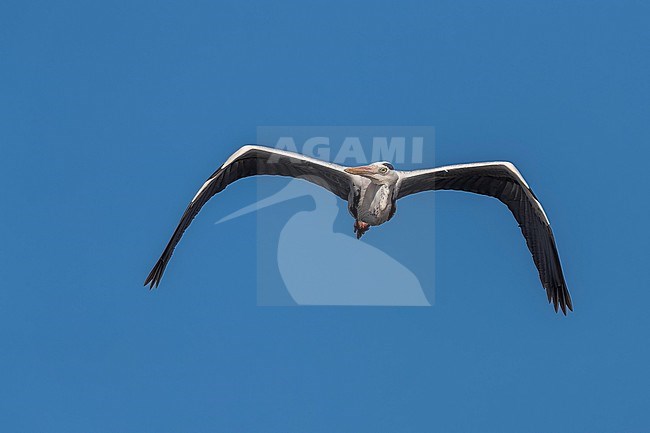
(373, 190)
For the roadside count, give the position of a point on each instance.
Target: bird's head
(378, 172)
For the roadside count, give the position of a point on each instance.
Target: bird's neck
(381, 197)
(388, 183)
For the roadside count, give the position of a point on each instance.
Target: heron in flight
(373, 190)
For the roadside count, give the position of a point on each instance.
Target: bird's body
(375, 204)
(373, 190)
(370, 204)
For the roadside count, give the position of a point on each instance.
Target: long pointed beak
(289, 192)
(363, 170)
(245, 210)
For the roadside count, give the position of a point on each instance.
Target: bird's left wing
(248, 161)
(504, 182)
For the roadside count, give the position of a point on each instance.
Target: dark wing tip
(560, 298)
(154, 277)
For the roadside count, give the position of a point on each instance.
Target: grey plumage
(372, 191)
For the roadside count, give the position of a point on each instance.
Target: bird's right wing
(248, 161)
(504, 182)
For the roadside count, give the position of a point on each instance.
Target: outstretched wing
(504, 182)
(248, 161)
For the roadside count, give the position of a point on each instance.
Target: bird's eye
(383, 170)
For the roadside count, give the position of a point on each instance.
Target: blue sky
(114, 113)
